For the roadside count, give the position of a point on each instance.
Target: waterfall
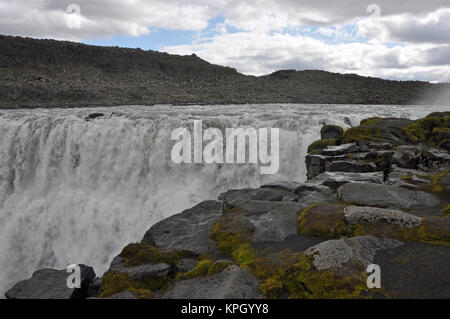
(74, 190)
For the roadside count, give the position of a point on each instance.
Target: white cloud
(268, 34)
(260, 53)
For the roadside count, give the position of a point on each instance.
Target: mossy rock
(205, 267)
(432, 130)
(331, 132)
(113, 283)
(324, 220)
(433, 230)
(318, 146)
(370, 121)
(295, 275)
(362, 133)
(440, 184)
(141, 254)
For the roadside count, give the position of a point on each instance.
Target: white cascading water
(78, 191)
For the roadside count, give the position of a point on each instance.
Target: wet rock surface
(52, 284)
(188, 230)
(232, 283)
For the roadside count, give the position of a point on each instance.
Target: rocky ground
(48, 73)
(376, 194)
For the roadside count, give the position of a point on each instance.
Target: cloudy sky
(390, 39)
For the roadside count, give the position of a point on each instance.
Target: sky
(400, 40)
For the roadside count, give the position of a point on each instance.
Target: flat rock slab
(337, 179)
(272, 221)
(415, 270)
(51, 284)
(336, 253)
(142, 272)
(384, 196)
(232, 283)
(295, 187)
(340, 150)
(188, 231)
(263, 194)
(356, 215)
(351, 167)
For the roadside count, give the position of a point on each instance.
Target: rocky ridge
(378, 194)
(48, 73)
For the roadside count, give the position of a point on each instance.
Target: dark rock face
(37, 73)
(52, 284)
(352, 167)
(415, 270)
(407, 156)
(271, 221)
(187, 231)
(232, 283)
(385, 196)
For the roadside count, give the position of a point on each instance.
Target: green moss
(113, 283)
(416, 133)
(370, 121)
(205, 267)
(429, 232)
(422, 130)
(284, 271)
(437, 186)
(232, 243)
(446, 210)
(318, 146)
(141, 254)
(300, 280)
(362, 133)
(324, 220)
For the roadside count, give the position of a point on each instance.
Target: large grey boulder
(232, 283)
(337, 253)
(337, 179)
(188, 231)
(355, 215)
(52, 284)
(384, 196)
(141, 272)
(271, 221)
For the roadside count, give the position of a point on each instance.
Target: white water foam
(77, 191)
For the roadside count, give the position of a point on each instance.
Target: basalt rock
(385, 196)
(52, 284)
(187, 231)
(337, 179)
(355, 215)
(232, 283)
(337, 253)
